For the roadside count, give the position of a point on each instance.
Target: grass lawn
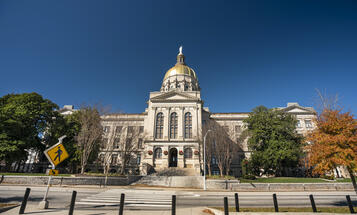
(227, 177)
(290, 209)
(293, 180)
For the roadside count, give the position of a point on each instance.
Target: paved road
(58, 197)
(160, 199)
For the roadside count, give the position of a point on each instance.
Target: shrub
(328, 177)
(249, 177)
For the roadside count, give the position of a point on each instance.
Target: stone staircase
(173, 177)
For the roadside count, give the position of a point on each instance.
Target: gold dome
(180, 69)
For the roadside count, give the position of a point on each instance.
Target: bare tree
(326, 101)
(130, 146)
(221, 149)
(209, 125)
(220, 145)
(90, 134)
(108, 149)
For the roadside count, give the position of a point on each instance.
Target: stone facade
(172, 123)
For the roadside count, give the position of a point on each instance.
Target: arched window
(188, 125)
(159, 126)
(158, 153)
(188, 153)
(173, 126)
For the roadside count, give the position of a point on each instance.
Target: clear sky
(245, 53)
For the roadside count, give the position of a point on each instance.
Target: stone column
(165, 158)
(166, 113)
(180, 125)
(180, 158)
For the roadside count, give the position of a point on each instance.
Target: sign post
(55, 154)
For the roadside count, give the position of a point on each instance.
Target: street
(138, 198)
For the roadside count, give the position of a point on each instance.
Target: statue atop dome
(180, 77)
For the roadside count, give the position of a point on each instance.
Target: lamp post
(204, 159)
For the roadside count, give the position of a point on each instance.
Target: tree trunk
(123, 166)
(209, 169)
(220, 170)
(227, 170)
(106, 180)
(82, 169)
(352, 179)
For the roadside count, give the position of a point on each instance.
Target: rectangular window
(298, 124)
(130, 129)
(140, 143)
(138, 159)
(118, 129)
(128, 142)
(141, 129)
(114, 159)
(308, 124)
(214, 161)
(104, 143)
(116, 143)
(106, 129)
(216, 172)
(238, 129)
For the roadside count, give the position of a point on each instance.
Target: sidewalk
(33, 209)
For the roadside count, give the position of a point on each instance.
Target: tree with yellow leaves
(334, 143)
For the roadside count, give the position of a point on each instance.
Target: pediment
(298, 109)
(174, 96)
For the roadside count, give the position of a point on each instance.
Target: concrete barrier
(234, 185)
(57, 180)
(179, 181)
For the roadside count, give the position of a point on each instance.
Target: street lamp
(204, 160)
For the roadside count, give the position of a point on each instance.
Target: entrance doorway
(173, 157)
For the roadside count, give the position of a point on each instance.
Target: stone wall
(235, 186)
(57, 180)
(178, 181)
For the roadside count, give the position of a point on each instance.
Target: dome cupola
(180, 77)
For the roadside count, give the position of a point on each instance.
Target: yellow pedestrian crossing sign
(53, 172)
(57, 153)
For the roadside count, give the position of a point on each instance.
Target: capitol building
(170, 130)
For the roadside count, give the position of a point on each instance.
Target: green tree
(66, 125)
(81, 128)
(273, 140)
(24, 119)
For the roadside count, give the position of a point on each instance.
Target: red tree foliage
(334, 143)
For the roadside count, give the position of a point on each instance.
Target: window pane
(308, 123)
(158, 153)
(130, 129)
(140, 142)
(188, 125)
(159, 125)
(173, 126)
(188, 153)
(118, 129)
(138, 159)
(116, 143)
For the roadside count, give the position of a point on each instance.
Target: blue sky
(245, 53)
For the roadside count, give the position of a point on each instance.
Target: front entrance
(173, 157)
